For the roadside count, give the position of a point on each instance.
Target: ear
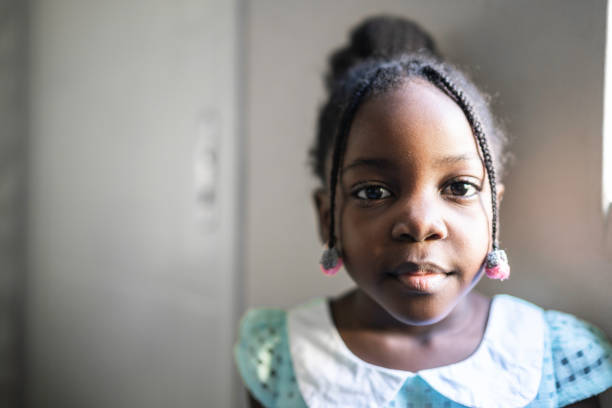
(321, 201)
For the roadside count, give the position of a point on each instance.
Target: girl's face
(414, 207)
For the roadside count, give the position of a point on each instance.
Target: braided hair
(383, 53)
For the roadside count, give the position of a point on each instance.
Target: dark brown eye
(462, 189)
(372, 193)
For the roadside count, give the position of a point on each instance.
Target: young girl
(410, 159)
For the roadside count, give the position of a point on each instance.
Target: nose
(419, 220)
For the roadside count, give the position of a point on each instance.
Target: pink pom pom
(501, 272)
(333, 270)
(497, 266)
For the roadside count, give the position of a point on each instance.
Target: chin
(421, 310)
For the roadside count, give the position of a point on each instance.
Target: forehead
(415, 121)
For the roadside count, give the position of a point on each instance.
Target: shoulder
(569, 330)
(262, 323)
(262, 357)
(576, 356)
(581, 357)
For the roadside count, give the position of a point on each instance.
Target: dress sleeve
(263, 359)
(581, 357)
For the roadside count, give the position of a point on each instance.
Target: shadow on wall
(12, 197)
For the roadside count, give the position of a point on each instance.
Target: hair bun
(380, 37)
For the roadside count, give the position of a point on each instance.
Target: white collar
(505, 369)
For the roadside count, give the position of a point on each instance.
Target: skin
(413, 192)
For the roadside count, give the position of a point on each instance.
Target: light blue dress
(528, 357)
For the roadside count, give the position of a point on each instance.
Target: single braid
(445, 83)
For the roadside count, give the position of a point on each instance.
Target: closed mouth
(420, 277)
(418, 269)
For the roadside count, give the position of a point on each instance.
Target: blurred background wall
(131, 292)
(162, 154)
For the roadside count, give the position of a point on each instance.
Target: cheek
(363, 230)
(470, 232)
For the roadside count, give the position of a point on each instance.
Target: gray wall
(542, 61)
(12, 188)
(131, 292)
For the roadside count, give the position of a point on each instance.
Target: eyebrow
(388, 164)
(367, 162)
(446, 160)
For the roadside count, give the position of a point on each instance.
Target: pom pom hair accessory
(331, 261)
(496, 265)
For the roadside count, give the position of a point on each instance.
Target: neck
(356, 310)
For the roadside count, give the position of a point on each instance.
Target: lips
(420, 277)
(417, 268)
